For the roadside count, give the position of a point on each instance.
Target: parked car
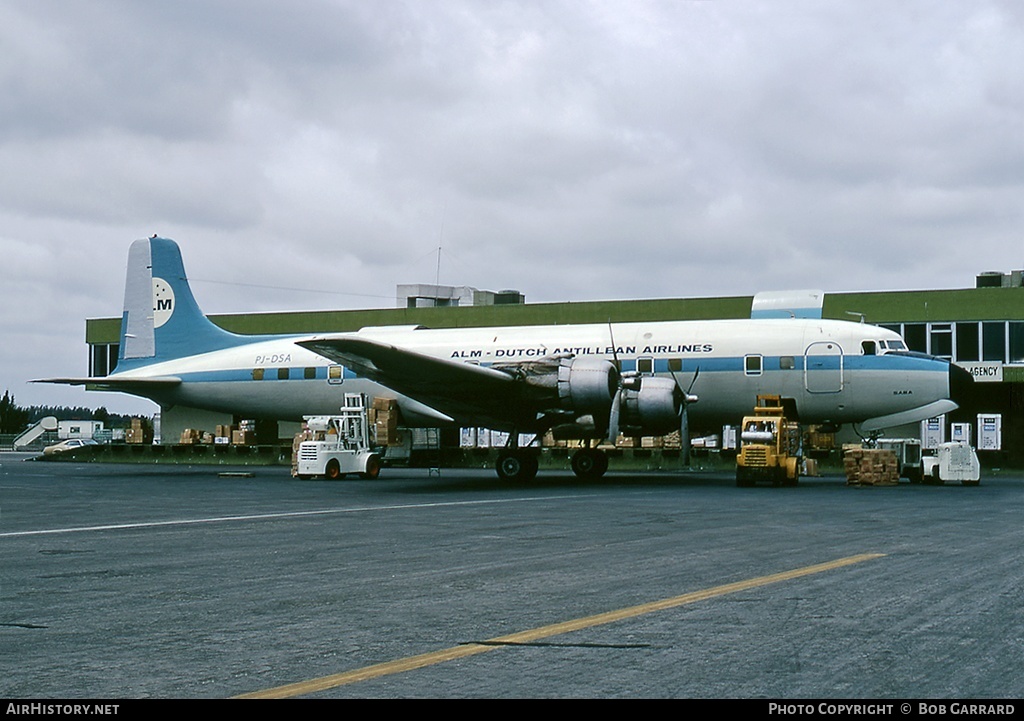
(71, 444)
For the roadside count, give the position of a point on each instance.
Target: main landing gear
(520, 464)
(589, 463)
(517, 464)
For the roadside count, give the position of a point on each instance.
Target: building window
(993, 342)
(916, 336)
(941, 340)
(967, 342)
(103, 359)
(1016, 342)
(98, 364)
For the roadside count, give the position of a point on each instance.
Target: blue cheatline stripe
(270, 374)
(690, 365)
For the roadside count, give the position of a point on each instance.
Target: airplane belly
(280, 400)
(291, 400)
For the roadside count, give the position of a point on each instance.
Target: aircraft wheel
(333, 470)
(372, 468)
(589, 463)
(516, 465)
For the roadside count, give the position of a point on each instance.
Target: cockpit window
(887, 346)
(868, 347)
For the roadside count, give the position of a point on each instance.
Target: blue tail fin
(162, 320)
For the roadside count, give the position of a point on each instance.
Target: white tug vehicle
(953, 461)
(341, 445)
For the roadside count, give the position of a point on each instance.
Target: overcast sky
(571, 150)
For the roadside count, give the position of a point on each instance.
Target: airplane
(589, 381)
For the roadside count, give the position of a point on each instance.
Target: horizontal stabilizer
(914, 415)
(112, 383)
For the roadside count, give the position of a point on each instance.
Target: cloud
(570, 150)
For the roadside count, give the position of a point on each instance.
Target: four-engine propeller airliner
(588, 382)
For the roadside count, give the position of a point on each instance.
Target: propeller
(686, 398)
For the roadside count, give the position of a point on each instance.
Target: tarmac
(120, 581)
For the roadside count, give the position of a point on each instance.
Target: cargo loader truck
(770, 447)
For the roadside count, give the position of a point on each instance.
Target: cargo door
(823, 367)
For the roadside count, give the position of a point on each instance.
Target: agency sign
(984, 371)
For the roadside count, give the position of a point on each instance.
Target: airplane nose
(960, 385)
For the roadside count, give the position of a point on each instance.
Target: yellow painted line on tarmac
(471, 649)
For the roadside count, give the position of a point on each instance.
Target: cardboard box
(243, 438)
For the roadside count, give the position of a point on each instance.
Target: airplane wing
(473, 393)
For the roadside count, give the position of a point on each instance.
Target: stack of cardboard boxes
(222, 435)
(870, 466)
(137, 433)
(673, 441)
(383, 418)
(190, 437)
(245, 434)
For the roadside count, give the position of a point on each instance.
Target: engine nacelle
(651, 407)
(586, 389)
(587, 385)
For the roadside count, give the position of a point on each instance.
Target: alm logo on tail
(163, 302)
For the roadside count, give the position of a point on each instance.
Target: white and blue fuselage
(836, 371)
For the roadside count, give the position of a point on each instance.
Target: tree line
(15, 418)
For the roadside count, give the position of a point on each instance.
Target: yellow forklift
(770, 448)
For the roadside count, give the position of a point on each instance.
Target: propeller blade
(684, 433)
(615, 352)
(614, 412)
(613, 418)
(687, 398)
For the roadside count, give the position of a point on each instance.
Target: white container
(990, 432)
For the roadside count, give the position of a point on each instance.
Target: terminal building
(979, 328)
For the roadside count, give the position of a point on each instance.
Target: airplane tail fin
(161, 319)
